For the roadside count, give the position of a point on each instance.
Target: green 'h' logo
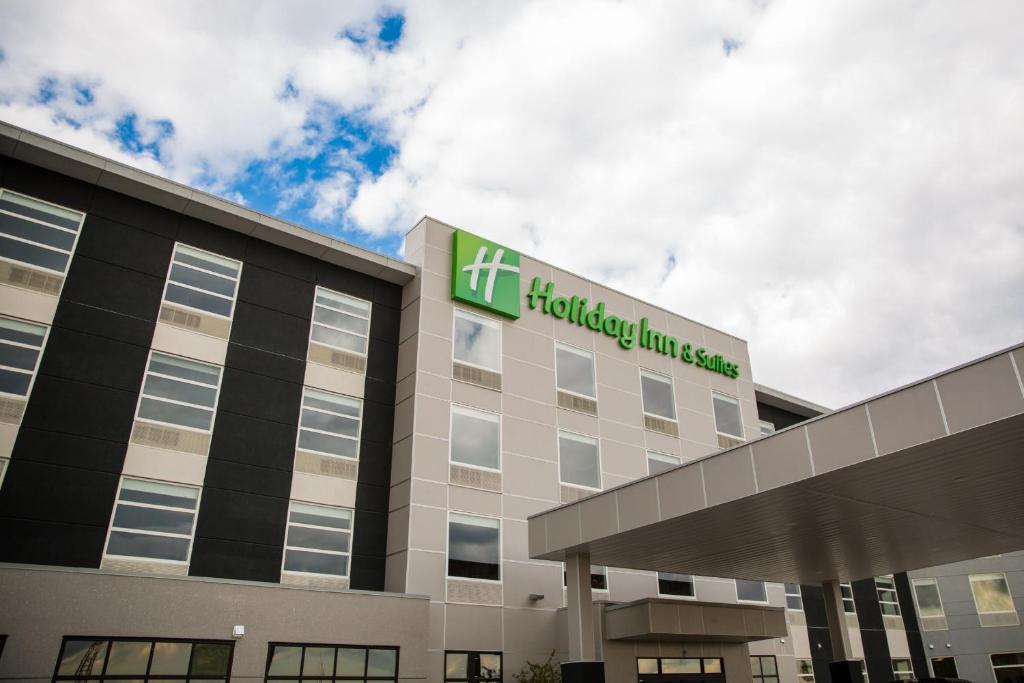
(485, 274)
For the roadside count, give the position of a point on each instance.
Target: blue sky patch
(390, 33)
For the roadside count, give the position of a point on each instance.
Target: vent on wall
(657, 424)
(571, 493)
(196, 322)
(143, 567)
(577, 403)
(325, 355)
(478, 376)
(999, 619)
(11, 410)
(728, 441)
(158, 436)
(27, 278)
(314, 463)
(335, 583)
(474, 592)
(934, 624)
(470, 476)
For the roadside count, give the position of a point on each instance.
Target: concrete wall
(39, 606)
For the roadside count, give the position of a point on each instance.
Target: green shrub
(548, 672)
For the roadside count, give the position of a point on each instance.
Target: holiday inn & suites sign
(486, 275)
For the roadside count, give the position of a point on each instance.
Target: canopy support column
(843, 668)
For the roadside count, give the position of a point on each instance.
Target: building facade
(232, 449)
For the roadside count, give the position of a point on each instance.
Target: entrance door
(680, 670)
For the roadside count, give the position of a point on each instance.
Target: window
(321, 663)
(848, 604)
(330, 424)
(674, 665)
(661, 462)
(944, 667)
(470, 667)
(794, 599)
(679, 585)
(474, 547)
(319, 540)
(179, 392)
(805, 671)
(476, 438)
(37, 234)
(107, 659)
(1008, 668)
(727, 415)
(476, 341)
(902, 670)
(767, 429)
(153, 520)
(21, 346)
(202, 281)
(763, 669)
(992, 595)
(658, 399)
(887, 599)
(750, 591)
(578, 460)
(598, 577)
(574, 371)
(340, 321)
(929, 603)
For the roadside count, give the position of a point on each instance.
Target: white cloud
(843, 190)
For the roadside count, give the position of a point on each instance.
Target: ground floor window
(321, 663)
(944, 667)
(902, 670)
(470, 667)
(1009, 668)
(805, 670)
(763, 669)
(111, 659)
(710, 666)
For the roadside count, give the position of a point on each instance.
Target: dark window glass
(322, 663)
(104, 660)
(675, 584)
(470, 667)
(474, 547)
(944, 667)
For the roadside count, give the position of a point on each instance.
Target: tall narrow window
(578, 460)
(154, 521)
(179, 392)
(887, 600)
(728, 422)
(993, 600)
(794, 599)
(575, 379)
(319, 540)
(679, 585)
(474, 547)
(341, 321)
(36, 242)
(21, 347)
(330, 424)
(750, 591)
(849, 607)
(202, 281)
(902, 670)
(476, 349)
(661, 462)
(929, 604)
(476, 438)
(471, 667)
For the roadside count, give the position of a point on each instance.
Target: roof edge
(788, 402)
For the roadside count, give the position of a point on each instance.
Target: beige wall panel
(662, 443)
(528, 381)
(432, 417)
(28, 305)
(401, 459)
(428, 528)
(994, 379)
(525, 409)
(157, 463)
(686, 330)
(684, 489)
(689, 372)
(313, 488)
(623, 433)
(782, 459)
(514, 542)
(437, 287)
(695, 449)
(856, 644)
(577, 422)
(579, 336)
(476, 397)
(521, 579)
(528, 438)
(437, 234)
(627, 586)
(426, 574)
(432, 493)
(618, 405)
(800, 642)
(658, 362)
(718, 342)
(404, 418)
(841, 440)
(404, 388)
(520, 343)
(698, 427)
(473, 627)
(638, 504)
(400, 495)
(409, 319)
(435, 639)
(729, 476)
(435, 386)
(407, 353)
(398, 530)
(436, 317)
(599, 517)
(334, 380)
(394, 572)
(616, 371)
(435, 355)
(8, 435)
(529, 477)
(715, 590)
(437, 260)
(899, 648)
(610, 347)
(906, 418)
(519, 507)
(535, 319)
(474, 501)
(531, 632)
(181, 342)
(693, 397)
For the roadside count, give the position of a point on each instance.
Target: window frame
(448, 540)
(39, 359)
(992, 665)
(487, 322)
(74, 244)
(213, 408)
(351, 538)
(898, 675)
(659, 454)
(138, 558)
(313, 323)
(701, 659)
(674, 596)
(760, 678)
(931, 666)
(469, 678)
(268, 677)
(851, 600)
(148, 675)
(739, 410)
(200, 311)
(974, 597)
(878, 594)
(456, 407)
(806, 678)
(763, 424)
(593, 589)
(577, 436)
(799, 595)
(917, 603)
(359, 430)
(658, 376)
(593, 369)
(764, 587)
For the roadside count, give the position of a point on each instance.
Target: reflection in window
(471, 667)
(794, 599)
(929, 604)
(707, 666)
(179, 392)
(727, 415)
(763, 669)
(658, 398)
(476, 438)
(574, 371)
(750, 591)
(849, 607)
(474, 547)
(319, 540)
(1009, 668)
(805, 671)
(598, 577)
(991, 593)
(340, 321)
(37, 233)
(103, 659)
(476, 340)
(902, 670)
(661, 462)
(153, 520)
(676, 584)
(202, 281)
(330, 424)
(321, 663)
(21, 345)
(578, 460)
(887, 600)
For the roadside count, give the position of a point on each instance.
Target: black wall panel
(872, 630)
(817, 631)
(910, 623)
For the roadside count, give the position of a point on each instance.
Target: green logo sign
(485, 274)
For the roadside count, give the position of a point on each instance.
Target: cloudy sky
(841, 184)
